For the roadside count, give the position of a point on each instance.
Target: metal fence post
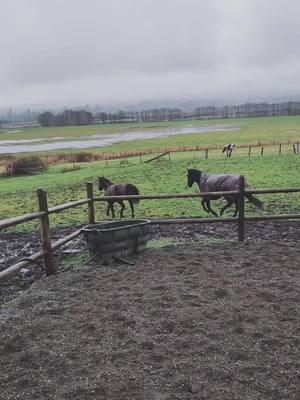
(241, 203)
(45, 233)
(90, 196)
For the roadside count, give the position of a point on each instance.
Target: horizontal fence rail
(7, 223)
(187, 195)
(48, 248)
(65, 206)
(164, 196)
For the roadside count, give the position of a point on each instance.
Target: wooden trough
(116, 238)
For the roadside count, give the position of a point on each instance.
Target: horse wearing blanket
(219, 183)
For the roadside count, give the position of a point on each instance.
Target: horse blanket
(219, 182)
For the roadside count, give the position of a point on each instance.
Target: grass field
(251, 130)
(18, 194)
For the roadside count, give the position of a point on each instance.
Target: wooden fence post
(140, 158)
(45, 233)
(206, 153)
(294, 149)
(262, 151)
(280, 149)
(169, 156)
(90, 195)
(249, 151)
(241, 203)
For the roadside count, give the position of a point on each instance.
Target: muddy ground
(206, 319)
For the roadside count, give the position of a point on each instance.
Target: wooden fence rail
(43, 215)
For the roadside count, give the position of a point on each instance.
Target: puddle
(101, 140)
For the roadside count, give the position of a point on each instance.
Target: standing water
(101, 140)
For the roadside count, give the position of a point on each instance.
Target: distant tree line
(83, 117)
(66, 118)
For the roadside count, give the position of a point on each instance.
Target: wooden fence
(47, 248)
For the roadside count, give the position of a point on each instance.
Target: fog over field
(120, 51)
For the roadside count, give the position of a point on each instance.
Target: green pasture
(252, 130)
(18, 194)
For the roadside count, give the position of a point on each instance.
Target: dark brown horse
(118, 189)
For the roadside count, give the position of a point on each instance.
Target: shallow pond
(100, 140)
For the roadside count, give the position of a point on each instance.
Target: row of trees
(83, 117)
(66, 118)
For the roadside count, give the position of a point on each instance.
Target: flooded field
(101, 140)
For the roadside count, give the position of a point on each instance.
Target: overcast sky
(107, 51)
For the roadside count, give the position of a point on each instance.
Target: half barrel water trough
(116, 238)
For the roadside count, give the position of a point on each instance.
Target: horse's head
(193, 175)
(102, 182)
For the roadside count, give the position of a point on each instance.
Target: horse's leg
(122, 207)
(108, 208)
(210, 209)
(131, 206)
(203, 202)
(112, 209)
(236, 202)
(228, 204)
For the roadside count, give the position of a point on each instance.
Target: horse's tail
(254, 200)
(132, 190)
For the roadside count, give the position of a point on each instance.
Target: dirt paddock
(198, 320)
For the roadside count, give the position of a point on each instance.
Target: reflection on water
(101, 140)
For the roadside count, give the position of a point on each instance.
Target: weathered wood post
(90, 196)
(262, 151)
(45, 233)
(280, 149)
(241, 202)
(294, 149)
(206, 153)
(249, 151)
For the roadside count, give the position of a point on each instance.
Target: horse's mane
(105, 180)
(194, 171)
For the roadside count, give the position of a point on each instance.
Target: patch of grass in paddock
(164, 242)
(208, 241)
(18, 194)
(76, 260)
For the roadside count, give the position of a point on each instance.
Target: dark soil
(200, 320)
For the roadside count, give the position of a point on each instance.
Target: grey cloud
(108, 50)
